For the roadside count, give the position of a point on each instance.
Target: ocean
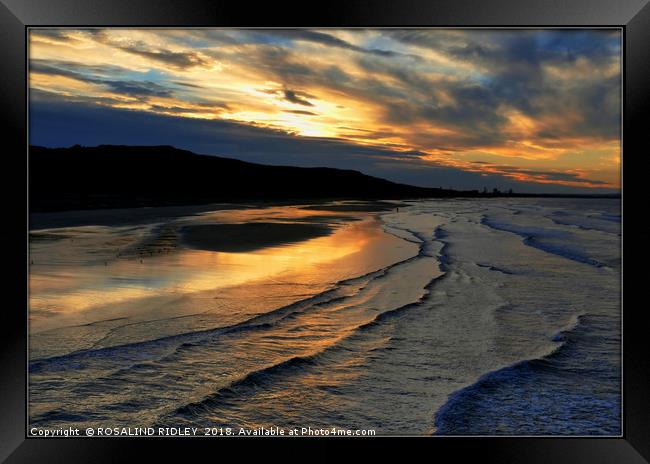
(440, 317)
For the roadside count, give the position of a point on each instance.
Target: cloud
(187, 84)
(56, 122)
(545, 176)
(291, 96)
(137, 88)
(73, 69)
(278, 62)
(54, 35)
(178, 60)
(303, 112)
(332, 41)
(513, 72)
(541, 105)
(83, 73)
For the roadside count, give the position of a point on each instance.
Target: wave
(138, 351)
(534, 236)
(265, 375)
(558, 393)
(254, 379)
(611, 217)
(443, 259)
(185, 339)
(595, 223)
(563, 251)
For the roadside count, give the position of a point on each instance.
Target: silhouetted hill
(121, 176)
(112, 176)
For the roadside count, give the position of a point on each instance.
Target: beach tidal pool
(493, 316)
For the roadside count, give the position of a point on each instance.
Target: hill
(116, 176)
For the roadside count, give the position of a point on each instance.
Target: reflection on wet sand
(119, 283)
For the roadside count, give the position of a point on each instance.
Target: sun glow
(394, 91)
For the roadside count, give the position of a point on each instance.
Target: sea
(495, 316)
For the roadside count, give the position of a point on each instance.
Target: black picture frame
(17, 15)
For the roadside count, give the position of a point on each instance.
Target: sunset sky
(532, 110)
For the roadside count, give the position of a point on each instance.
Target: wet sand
(148, 276)
(251, 236)
(443, 317)
(122, 216)
(359, 206)
(145, 215)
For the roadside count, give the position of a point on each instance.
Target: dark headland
(117, 176)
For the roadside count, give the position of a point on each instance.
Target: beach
(448, 316)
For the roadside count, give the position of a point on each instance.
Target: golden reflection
(83, 286)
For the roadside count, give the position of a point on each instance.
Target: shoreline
(138, 215)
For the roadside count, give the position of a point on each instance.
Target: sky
(531, 110)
